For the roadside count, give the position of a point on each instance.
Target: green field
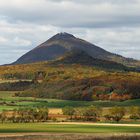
(65, 128)
(8, 102)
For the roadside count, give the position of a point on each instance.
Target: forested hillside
(71, 82)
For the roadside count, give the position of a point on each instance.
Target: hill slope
(83, 58)
(62, 79)
(64, 43)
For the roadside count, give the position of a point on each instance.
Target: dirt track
(63, 134)
(99, 124)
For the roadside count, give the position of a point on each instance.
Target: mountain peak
(65, 43)
(63, 35)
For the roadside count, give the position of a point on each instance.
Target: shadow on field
(72, 137)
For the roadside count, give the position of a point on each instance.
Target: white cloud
(3, 40)
(70, 13)
(21, 42)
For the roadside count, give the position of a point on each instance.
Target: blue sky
(112, 24)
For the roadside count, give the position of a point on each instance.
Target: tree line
(17, 86)
(90, 113)
(93, 113)
(25, 115)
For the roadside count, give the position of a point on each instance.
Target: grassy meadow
(65, 128)
(8, 101)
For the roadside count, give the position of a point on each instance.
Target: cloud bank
(113, 25)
